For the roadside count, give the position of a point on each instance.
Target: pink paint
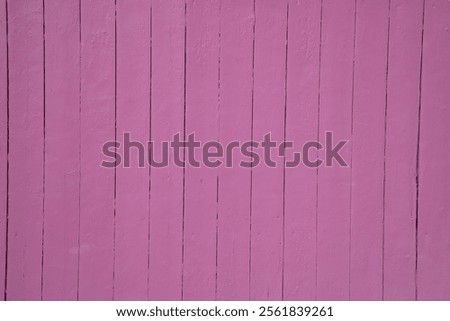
(434, 152)
(268, 115)
(166, 195)
(369, 108)
(62, 141)
(75, 74)
(235, 116)
(96, 256)
(133, 116)
(26, 152)
(301, 126)
(200, 185)
(334, 186)
(3, 144)
(401, 125)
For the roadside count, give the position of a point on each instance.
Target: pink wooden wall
(77, 73)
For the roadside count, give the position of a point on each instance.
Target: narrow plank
(166, 203)
(335, 112)
(366, 266)
(97, 127)
(200, 214)
(433, 266)
(235, 111)
(268, 117)
(3, 144)
(133, 116)
(62, 148)
(301, 127)
(401, 144)
(26, 139)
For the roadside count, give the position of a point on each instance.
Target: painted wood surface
(167, 115)
(3, 143)
(97, 125)
(235, 124)
(76, 74)
(334, 190)
(133, 116)
(25, 177)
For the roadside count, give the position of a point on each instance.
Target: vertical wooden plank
(200, 216)
(401, 144)
(433, 266)
(235, 111)
(133, 116)
(3, 144)
(97, 127)
(268, 117)
(301, 127)
(26, 119)
(166, 203)
(369, 105)
(62, 150)
(335, 112)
